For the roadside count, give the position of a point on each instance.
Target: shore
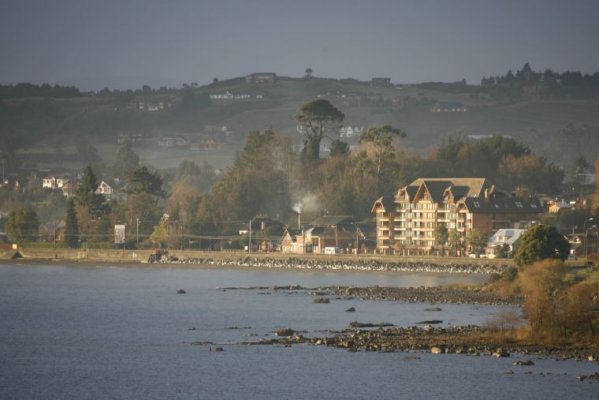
(191, 259)
(467, 340)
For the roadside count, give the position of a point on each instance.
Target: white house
(105, 190)
(504, 237)
(54, 182)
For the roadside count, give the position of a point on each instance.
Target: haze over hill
(538, 108)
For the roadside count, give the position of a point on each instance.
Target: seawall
(189, 258)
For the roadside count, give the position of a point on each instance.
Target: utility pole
(250, 239)
(357, 241)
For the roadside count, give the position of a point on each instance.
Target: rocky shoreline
(358, 264)
(431, 295)
(467, 340)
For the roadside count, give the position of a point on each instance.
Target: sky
(124, 44)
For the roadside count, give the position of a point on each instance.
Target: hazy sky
(125, 44)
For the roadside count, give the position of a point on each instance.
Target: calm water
(124, 333)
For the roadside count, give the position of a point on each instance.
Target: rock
(351, 309)
(181, 291)
(438, 349)
(501, 353)
(509, 372)
(433, 309)
(430, 322)
(356, 324)
(285, 332)
(216, 348)
(524, 362)
(321, 300)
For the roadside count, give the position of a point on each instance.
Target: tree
(86, 195)
(142, 180)
(316, 118)
(476, 240)
(126, 159)
(308, 72)
(539, 243)
(22, 225)
(453, 239)
(378, 142)
(71, 231)
(441, 235)
(339, 148)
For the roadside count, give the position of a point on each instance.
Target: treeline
(22, 90)
(547, 83)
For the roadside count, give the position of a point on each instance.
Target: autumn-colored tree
(540, 283)
(576, 309)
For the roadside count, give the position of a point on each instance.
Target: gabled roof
(332, 220)
(386, 202)
(436, 189)
(460, 187)
(505, 236)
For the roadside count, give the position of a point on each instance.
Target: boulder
(321, 300)
(501, 353)
(181, 291)
(524, 362)
(285, 332)
(351, 309)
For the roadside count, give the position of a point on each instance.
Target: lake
(97, 332)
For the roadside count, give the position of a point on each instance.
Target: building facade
(408, 219)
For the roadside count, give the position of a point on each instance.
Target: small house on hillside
(380, 82)
(261, 77)
(105, 190)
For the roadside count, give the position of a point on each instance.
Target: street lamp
(137, 230)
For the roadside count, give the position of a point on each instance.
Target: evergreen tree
(86, 195)
(541, 242)
(71, 231)
(126, 160)
(142, 180)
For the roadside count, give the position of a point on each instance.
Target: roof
(503, 205)
(332, 220)
(386, 202)
(459, 187)
(436, 189)
(505, 236)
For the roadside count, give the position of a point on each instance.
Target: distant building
(54, 182)
(504, 240)
(380, 82)
(554, 207)
(449, 107)
(408, 219)
(348, 131)
(261, 77)
(105, 190)
(585, 179)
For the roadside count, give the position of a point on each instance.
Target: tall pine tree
(71, 232)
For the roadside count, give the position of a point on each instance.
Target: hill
(209, 123)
